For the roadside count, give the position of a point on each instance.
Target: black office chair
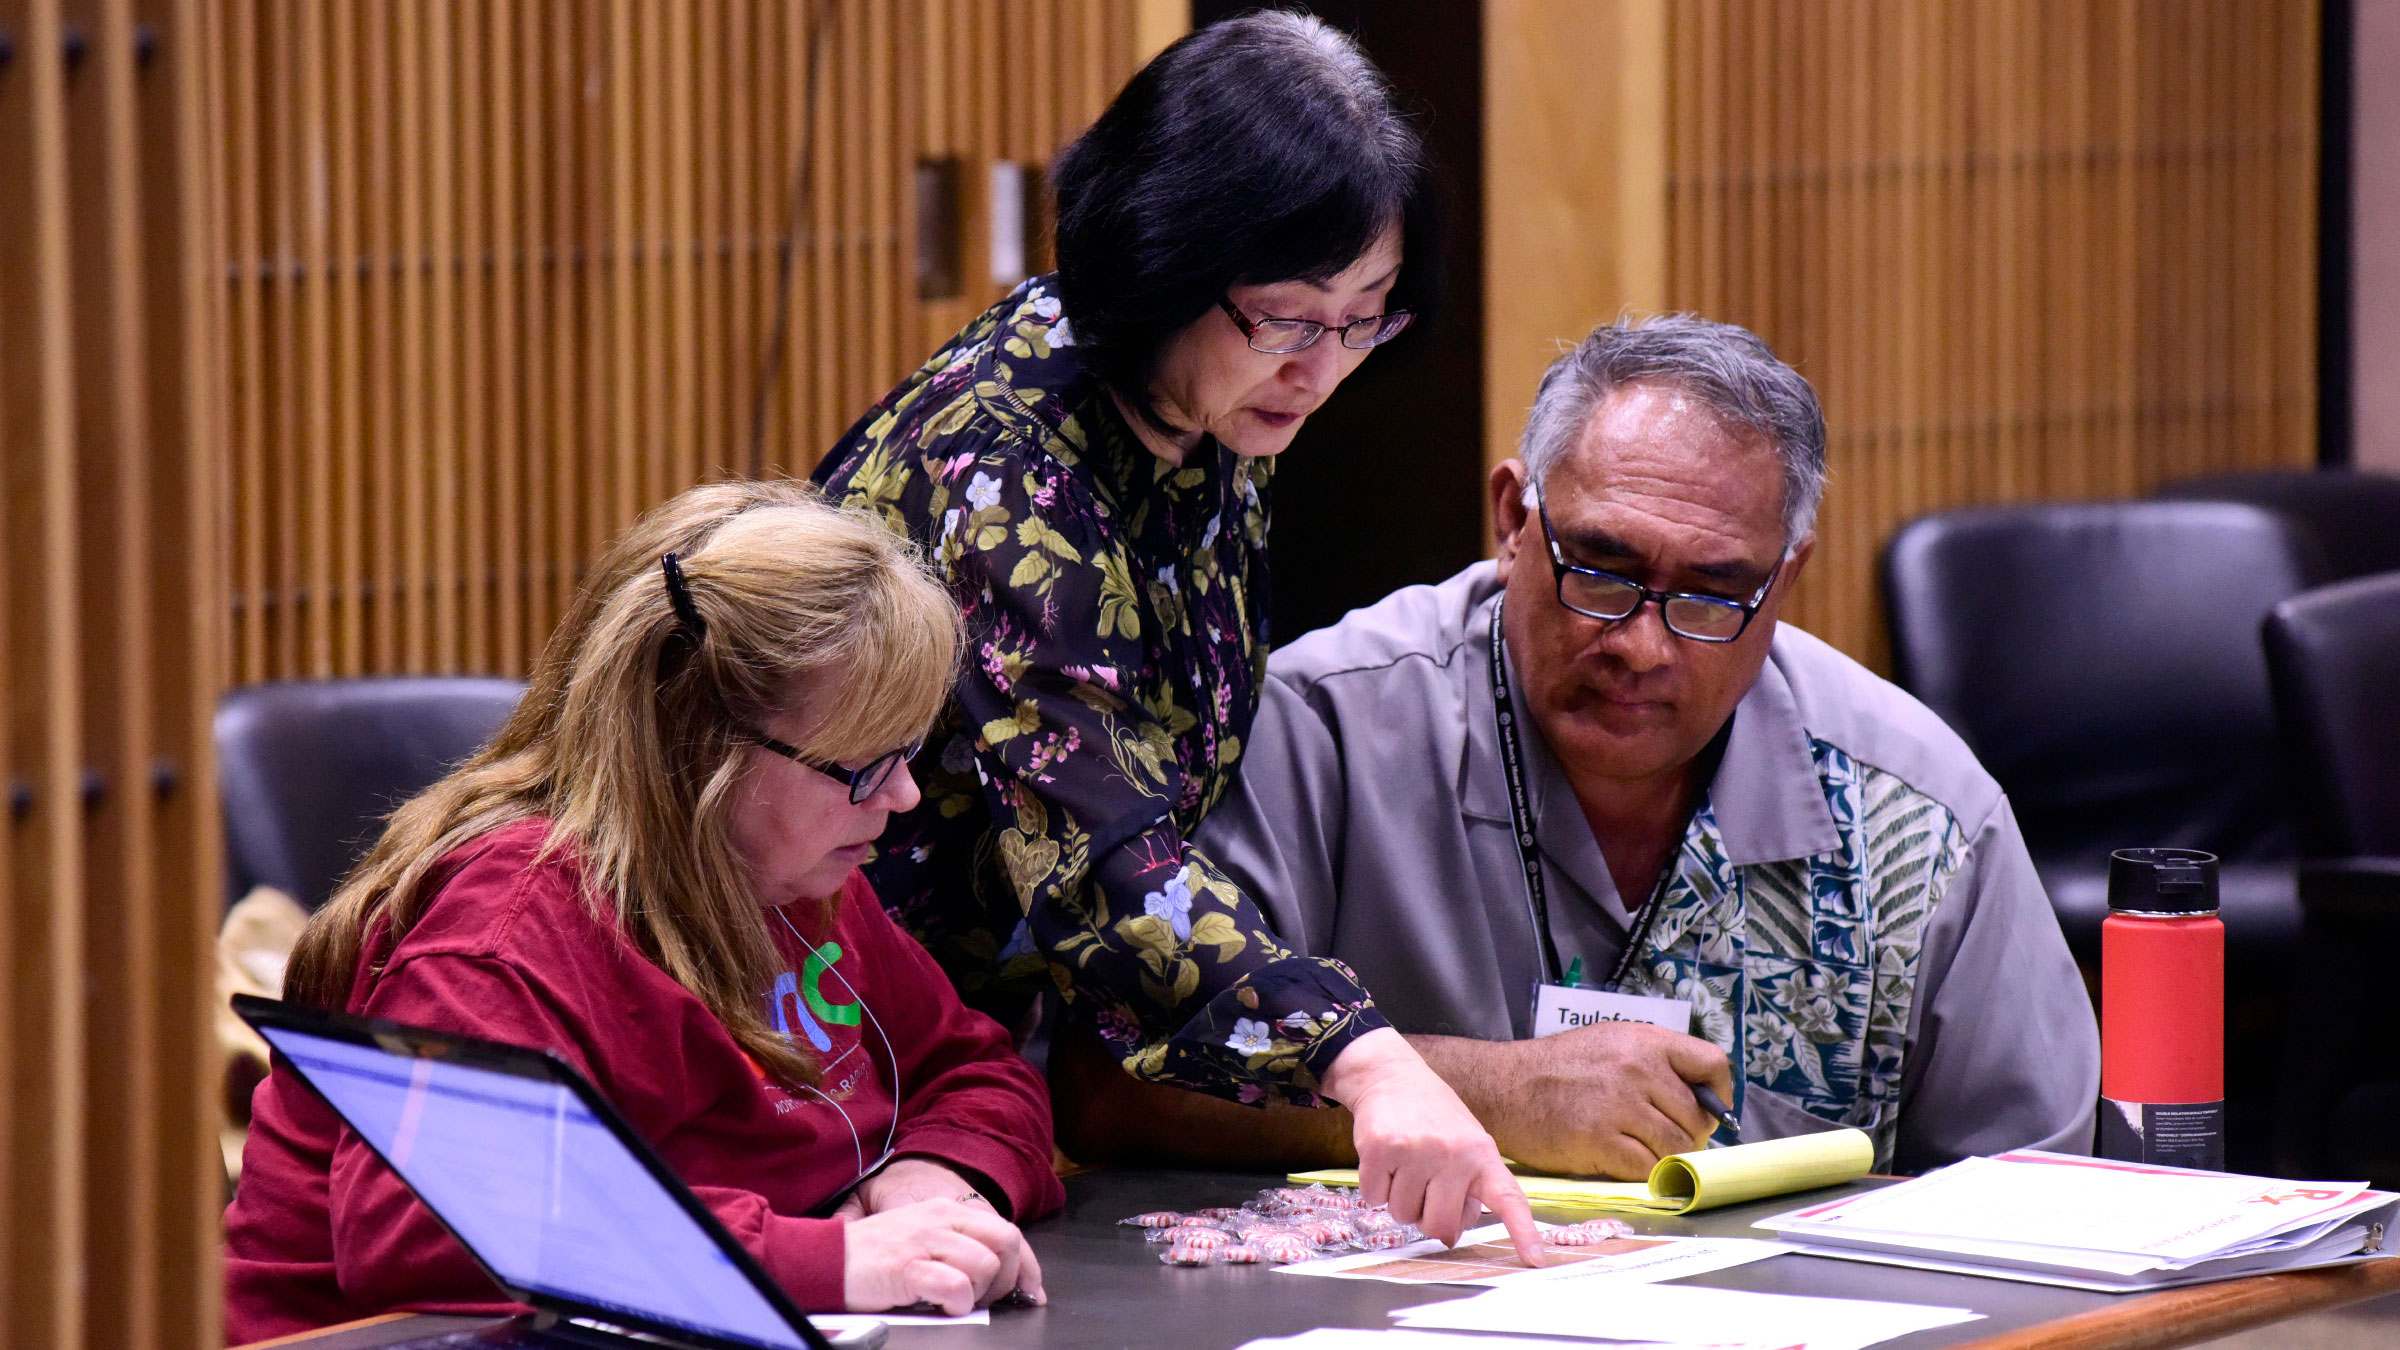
(2334, 656)
(2353, 517)
(309, 769)
(2102, 659)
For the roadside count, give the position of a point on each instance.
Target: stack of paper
(2096, 1224)
(1684, 1182)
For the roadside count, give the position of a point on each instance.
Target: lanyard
(865, 1168)
(1520, 812)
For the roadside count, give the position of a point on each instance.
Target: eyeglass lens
(1281, 336)
(866, 782)
(1691, 615)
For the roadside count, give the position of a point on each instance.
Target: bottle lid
(2162, 881)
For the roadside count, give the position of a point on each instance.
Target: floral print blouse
(1117, 636)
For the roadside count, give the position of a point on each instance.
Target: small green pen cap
(1575, 973)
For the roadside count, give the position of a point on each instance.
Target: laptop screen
(538, 1187)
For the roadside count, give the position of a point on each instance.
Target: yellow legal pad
(1684, 1182)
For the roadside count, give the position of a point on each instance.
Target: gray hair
(1724, 365)
(1305, 39)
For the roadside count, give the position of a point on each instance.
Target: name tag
(1557, 1008)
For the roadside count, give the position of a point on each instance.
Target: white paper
(2085, 1213)
(829, 1323)
(1007, 217)
(2332, 1242)
(2344, 1252)
(1682, 1314)
(1403, 1338)
(1484, 1257)
(1672, 1260)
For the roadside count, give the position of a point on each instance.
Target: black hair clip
(690, 627)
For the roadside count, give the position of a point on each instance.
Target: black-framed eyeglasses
(1606, 596)
(864, 782)
(1279, 337)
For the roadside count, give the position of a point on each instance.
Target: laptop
(540, 1179)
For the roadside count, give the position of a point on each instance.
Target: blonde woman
(653, 872)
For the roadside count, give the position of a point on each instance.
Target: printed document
(1679, 1314)
(1401, 1338)
(2097, 1223)
(2058, 1200)
(1483, 1256)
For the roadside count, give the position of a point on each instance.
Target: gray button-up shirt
(1372, 822)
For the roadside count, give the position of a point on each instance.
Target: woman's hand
(1420, 1149)
(905, 1181)
(958, 1257)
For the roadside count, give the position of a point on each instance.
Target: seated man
(1603, 756)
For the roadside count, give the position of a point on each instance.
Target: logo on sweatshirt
(799, 998)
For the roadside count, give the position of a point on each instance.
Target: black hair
(1262, 149)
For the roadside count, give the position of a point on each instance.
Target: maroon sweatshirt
(321, 1232)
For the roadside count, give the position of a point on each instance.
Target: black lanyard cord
(1520, 811)
(1537, 898)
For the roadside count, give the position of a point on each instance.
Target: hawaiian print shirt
(1804, 970)
(1117, 636)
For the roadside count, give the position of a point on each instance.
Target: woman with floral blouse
(1088, 465)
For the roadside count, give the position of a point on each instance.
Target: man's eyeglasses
(864, 782)
(1279, 337)
(1605, 595)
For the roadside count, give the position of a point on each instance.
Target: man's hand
(1605, 1100)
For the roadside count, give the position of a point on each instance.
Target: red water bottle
(2162, 1010)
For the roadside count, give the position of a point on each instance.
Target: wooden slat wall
(2057, 248)
(498, 276)
(1574, 186)
(111, 653)
(335, 335)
